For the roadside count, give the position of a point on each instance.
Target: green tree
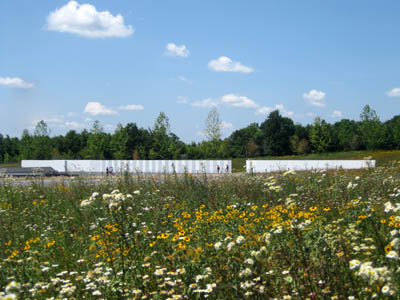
(161, 140)
(393, 130)
(41, 142)
(120, 143)
(2, 150)
(212, 129)
(242, 141)
(276, 133)
(72, 144)
(347, 135)
(373, 135)
(98, 143)
(25, 145)
(320, 136)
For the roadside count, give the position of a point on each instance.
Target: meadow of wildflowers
(306, 235)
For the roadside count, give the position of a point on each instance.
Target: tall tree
(242, 141)
(348, 135)
(161, 140)
(212, 131)
(212, 128)
(41, 143)
(320, 136)
(277, 131)
(372, 131)
(120, 143)
(98, 143)
(393, 129)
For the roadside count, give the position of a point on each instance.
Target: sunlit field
(305, 235)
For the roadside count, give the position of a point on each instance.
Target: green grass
(381, 157)
(10, 165)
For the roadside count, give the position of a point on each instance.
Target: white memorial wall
(265, 166)
(133, 166)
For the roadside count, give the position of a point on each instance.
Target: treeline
(277, 135)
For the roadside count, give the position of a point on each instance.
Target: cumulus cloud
(239, 101)
(283, 110)
(207, 103)
(15, 82)
(264, 110)
(394, 92)
(173, 50)
(96, 108)
(336, 114)
(73, 124)
(315, 98)
(225, 64)
(229, 99)
(131, 107)
(84, 20)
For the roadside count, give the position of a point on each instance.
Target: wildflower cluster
(306, 235)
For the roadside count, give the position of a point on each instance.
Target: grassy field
(310, 235)
(381, 157)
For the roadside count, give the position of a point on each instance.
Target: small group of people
(109, 171)
(219, 169)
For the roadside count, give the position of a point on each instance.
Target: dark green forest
(276, 136)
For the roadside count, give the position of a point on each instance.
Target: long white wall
(133, 166)
(265, 166)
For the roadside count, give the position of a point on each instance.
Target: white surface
(133, 166)
(265, 166)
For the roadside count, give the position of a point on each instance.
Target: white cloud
(265, 110)
(283, 110)
(59, 122)
(207, 103)
(394, 92)
(73, 124)
(226, 125)
(173, 50)
(239, 101)
(96, 108)
(15, 82)
(315, 98)
(131, 107)
(85, 20)
(336, 114)
(225, 64)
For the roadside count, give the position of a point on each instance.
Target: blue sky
(72, 62)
